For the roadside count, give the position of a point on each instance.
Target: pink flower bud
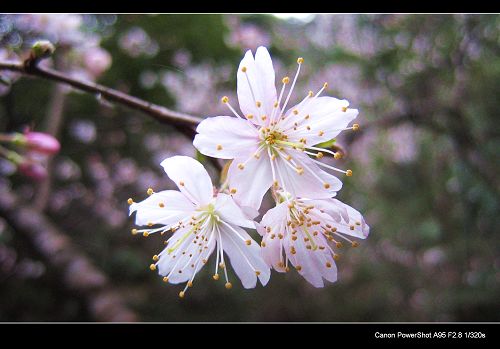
(33, 170)
(42, 142)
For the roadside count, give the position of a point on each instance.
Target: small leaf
(200, 157)
(327, 144)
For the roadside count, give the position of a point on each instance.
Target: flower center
(272, 137)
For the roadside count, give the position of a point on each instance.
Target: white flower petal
(251, 182)
(256, 85)
(190, 177)
(351, 226)
(275, 219)
(272, 252)
(305, 258)
(326, 119)
(265, 68)
(231, 213)
(246, 260)
(175, 208)
(226, 137)
(312, 181)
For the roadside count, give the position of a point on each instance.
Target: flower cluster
(270, 148)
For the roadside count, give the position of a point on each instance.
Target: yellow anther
(328, 264)
(307, 117)
(263, 244)
(276, 184)
(337, 156)
(244, 69)
(248, 242)
(150, 191)
(216, 277)
(155, 258)
(298, 267)
(134, 231)
(241, 166)
(181, 183)
(150, 224)
(325, 85)
(228, 285)
(258, 104)
(351, 227)
(348, 173)
(250, 116)
(355, 244)
(181, 294)
(338, 244)
(344, 109)
(222, 265)
(152, 267)
(300, 60)
(233, 191)
(326, 185)
(319, 155)
(287, 269)
(257, 272)
(263, 117)
(145, 234)
(130, 201)
(165, 279)
(190, 284)
(294, 237)
(355, 127)
(336, 257)
(219, 147)
(225, 99)
(300, 170)
(310, 93)
(295, 111)
(285, 80)
(321, 133)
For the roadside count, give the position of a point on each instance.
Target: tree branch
(160, 113)
(73, 267)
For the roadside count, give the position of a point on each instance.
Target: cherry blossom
(201, 223)
(270, 145)
(307, 233)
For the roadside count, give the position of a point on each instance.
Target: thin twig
(160, 113)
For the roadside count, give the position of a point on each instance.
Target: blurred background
(425, 164)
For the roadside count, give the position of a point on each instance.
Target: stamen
(291, 87)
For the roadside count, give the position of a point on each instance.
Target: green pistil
(313, 244)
